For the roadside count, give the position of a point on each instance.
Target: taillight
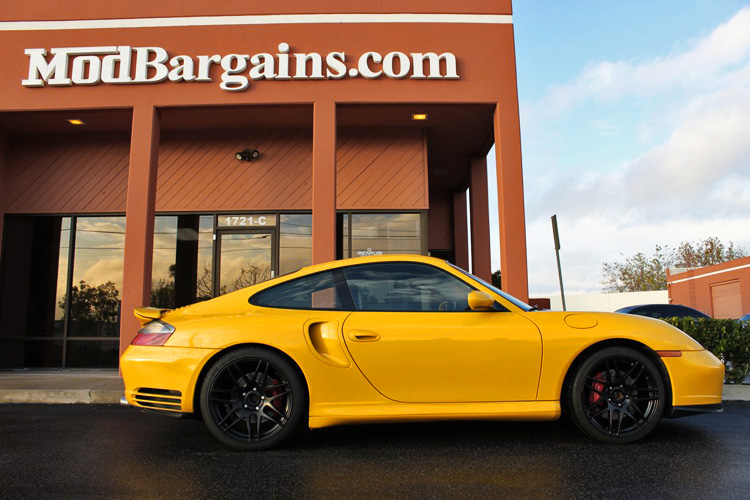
(153, 333)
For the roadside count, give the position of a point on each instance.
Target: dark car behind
(663, 311)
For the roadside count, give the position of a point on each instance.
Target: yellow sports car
(408, 338)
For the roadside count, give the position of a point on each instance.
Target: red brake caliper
(275, 392)
(598, 384)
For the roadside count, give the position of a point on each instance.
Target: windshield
(509, 298)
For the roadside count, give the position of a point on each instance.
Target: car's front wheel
(252, 399)
(617, 395)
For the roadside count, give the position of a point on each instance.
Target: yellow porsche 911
(408, 338)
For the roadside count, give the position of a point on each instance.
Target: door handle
(363, 336)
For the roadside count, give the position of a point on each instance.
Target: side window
(650, 312)
(317, 291)
(405, 287)
(679, 312)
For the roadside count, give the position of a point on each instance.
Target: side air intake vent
(159, 399)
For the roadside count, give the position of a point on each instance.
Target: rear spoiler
(148, 314)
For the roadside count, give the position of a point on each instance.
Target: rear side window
(406, 287)
(318, 291)
(650, 311)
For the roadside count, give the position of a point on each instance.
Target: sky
(635, 131)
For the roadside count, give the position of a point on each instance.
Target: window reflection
(311, 292)
(97, 277)
(405, 287)
(295, 242)
(381, 234)
(52, 315)
(163, 267)
(182, 265)
(245, 260)
(62, 277)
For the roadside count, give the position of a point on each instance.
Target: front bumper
(697, 379)
(162, 379)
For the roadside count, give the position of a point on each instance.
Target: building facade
(722, 291)
(168, 152)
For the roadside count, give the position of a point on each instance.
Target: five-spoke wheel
(617, 395)
(252, 399)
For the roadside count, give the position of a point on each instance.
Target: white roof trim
(165, 22)
(708, 274)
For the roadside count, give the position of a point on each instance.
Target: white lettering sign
(62, 67)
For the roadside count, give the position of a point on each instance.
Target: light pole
(557, 253)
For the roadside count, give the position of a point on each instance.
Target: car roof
(369, 259)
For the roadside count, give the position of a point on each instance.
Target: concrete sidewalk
(61, 386)
(106, 387)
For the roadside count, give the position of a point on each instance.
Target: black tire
(617, 395)
(253, 399)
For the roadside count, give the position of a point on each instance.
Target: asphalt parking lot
(86, 451)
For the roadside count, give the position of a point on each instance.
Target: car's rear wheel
(252, 399)
(617, 395)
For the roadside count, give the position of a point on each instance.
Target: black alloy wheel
(617, 395)
(252, 399)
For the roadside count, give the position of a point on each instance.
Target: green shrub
(728, 339)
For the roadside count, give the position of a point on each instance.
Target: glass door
(243, 258)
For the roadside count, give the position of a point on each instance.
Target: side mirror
(480, 301)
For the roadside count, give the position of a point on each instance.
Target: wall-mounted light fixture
(418, 116)
(247, 154)
(76, 121)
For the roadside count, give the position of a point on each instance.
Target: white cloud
(693, 182)
(705, 157)
(707, 65)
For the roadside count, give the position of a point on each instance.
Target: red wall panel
(381, 169)
(67, 173)
(198, 170)
(440, 220)
(87, 173)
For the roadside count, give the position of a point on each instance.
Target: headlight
(153, 333)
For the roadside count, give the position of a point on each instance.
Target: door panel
(446, 357)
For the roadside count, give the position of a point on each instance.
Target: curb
(736, 392)
(73, 396)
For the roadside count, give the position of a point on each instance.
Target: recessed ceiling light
(419, 116)
(76, 121)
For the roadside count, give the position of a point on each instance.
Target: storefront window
(182, 266)
(295, 242)
(61, 307)
(380, 234)
(62, 277)
(205, 284)
(163, 265)
(97, 277)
